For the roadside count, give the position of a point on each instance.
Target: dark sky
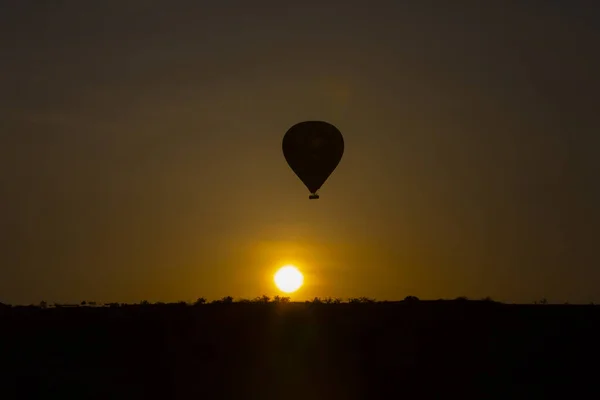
(140, 149)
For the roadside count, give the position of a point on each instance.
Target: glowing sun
(288, 279)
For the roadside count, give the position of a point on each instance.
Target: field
(421, 349)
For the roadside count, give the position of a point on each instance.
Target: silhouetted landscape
(166, 150)
(324, 349)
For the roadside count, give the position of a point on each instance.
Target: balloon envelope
(313, 149)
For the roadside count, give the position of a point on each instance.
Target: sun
(288, 279)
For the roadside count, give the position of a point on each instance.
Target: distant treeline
(264, 299)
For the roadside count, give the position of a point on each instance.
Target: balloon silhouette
(313, 149)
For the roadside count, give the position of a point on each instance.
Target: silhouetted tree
(145, 303)
(317, 300)
(84, 303)
(281, 299)
(264, 299)
(43, 305)
(332, 300)
(411, 299)
(366, 300)
(227, 300)
(200, 301)
(544, 301)
(461, 298)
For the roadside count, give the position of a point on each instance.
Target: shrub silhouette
(367, 300)
(264, 299)
(200, 301)
(225, 300)
(361, 300)
(281, 299)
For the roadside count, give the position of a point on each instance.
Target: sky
(140, 149)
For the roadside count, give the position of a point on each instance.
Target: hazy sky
(140, 149)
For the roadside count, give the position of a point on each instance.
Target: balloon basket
(313, 196)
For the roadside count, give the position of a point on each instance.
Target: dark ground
(443, 349)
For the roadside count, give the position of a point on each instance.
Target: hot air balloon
(313, 149)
